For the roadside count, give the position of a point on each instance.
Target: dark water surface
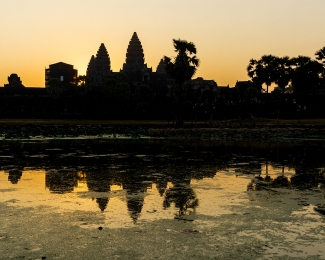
(136, 182)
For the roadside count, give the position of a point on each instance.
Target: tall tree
(181, 69)
(255, 72)
(268, 64)
(282, 72)
(306, 75)
(262, 71)
(320, 55)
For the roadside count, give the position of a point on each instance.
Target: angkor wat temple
(134, 92)
(135, 68)
(138, 90)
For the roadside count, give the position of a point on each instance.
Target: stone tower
(99, 67)
(103, 62)
(161, 67)
(91, 69)
(14, 81)
(134, 66)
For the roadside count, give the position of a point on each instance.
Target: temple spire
(91, 69)
(161, 67)
(134, 66)
(103, 62)
(134, 55)
(100, 66)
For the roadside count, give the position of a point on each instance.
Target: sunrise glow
(227, 34)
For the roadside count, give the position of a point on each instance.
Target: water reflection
(182, 195)
(14, 175)
(146, 168)
(61, 181)
(304, 178)
(99, 181)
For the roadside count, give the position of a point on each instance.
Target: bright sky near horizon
(227, 34)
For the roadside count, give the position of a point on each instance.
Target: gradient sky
(227, 33)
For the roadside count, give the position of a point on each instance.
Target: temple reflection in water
(135, 186)
(166, 170)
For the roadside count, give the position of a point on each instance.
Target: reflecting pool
(254, 200)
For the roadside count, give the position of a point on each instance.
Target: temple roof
(60, 64)
(91, 67)
(103, 62)
(14, 81)
(161, 67)
(134, 54)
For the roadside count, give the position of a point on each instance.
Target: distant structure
(134, 66)
(161, 68)
(18, 100)
(207, 90)
(62, 71)
(91, 69)
(14, 82)
(100, 66)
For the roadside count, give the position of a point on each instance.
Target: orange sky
(227, 34)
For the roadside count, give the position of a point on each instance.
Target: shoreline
(262, 130)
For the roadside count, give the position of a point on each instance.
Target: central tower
(134, 66)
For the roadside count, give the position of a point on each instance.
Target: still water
(137, 182)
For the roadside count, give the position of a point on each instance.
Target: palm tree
(262, 71)
(306, 75)
(254, 71)
(268, 62)
(320, 55)
(181, 69)
(282, 72)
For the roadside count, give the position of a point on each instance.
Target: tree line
(300, 75)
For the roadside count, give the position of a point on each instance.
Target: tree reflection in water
(182, 195)
(137, 164)
(61, 180)
(303, 179)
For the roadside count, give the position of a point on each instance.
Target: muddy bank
(231, 132)
(248, 225)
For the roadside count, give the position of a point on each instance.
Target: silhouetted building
(139, 92)
(17, 100)
(91, 69)
(14, 82)
(99, 67)
(134, 66)
(205, 90)
(161, 69)
(62, 71)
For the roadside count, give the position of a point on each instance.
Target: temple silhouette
(136, 91)
(99, 67)
(62, 71)
(135, 68)
(139, 91)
